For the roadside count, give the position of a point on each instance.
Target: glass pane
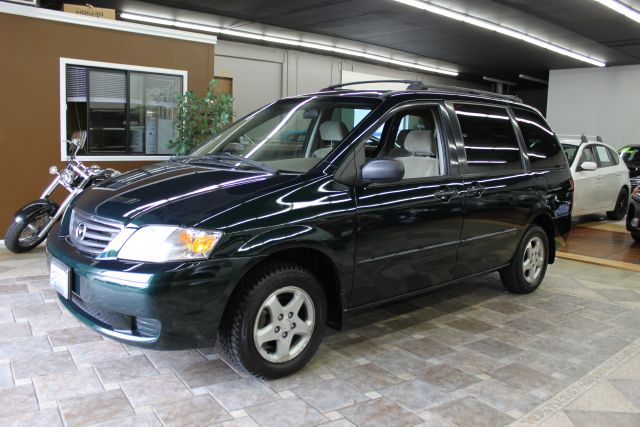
(570, 151)
(292, 134)
(153, 109)
(107, 111)
(489, 138)
(603, 155)
(542, 145)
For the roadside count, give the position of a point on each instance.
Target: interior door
(409, 231)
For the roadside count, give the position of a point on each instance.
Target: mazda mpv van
(310, 208)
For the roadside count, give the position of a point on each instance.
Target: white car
(601, 179)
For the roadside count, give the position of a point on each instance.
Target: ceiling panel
(582, 25)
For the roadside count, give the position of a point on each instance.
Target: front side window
(542, 145)
(588, 156)
(412, 137)
(490, 141)
(121, 112)
(289, 135)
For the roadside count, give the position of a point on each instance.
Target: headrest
(420, 142)
(402, 136)
(333, 131)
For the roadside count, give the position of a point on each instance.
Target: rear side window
(490, 141)
(542, 145)
(605, 157)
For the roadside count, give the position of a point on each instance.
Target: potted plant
(200, 118)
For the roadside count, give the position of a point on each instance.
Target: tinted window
(489, 138)
(542, 146)
(630, 154)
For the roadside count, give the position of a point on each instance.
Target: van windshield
(288, 135)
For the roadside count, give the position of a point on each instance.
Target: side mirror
(588, 166)
(382, 170)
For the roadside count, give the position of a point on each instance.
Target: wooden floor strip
(618, 228)
(599, 261)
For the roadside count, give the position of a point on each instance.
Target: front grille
(91, 234)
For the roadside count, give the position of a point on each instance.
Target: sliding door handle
(476, 190)
(445, 193)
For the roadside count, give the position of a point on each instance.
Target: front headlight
(67, 177)
(162, 243)
(636, 193)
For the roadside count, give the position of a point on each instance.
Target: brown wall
(30, 106)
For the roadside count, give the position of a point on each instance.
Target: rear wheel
(275, 321)
(529, 265)
(622, 204)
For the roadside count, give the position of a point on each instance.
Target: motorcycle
(32, 222)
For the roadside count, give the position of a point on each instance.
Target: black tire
(515, 277)
(245, 311)
(15, 240)
(622, 204)
(636, 236)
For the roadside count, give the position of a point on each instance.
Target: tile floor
(471, 354)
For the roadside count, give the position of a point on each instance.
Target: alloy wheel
(284, 324)
(533, 259)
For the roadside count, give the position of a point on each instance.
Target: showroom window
(542, 145)
(490, 141)
(120, 110)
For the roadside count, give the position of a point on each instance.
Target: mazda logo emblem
(81, 230)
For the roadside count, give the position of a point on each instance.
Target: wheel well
(546, 223)
(321, 266)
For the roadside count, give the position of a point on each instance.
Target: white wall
(596, 101)
(263, 74)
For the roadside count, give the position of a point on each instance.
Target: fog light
(147, 327)
(634, 222)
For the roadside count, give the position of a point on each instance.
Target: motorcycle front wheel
(22, 235)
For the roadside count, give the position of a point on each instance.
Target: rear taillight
(572, 190)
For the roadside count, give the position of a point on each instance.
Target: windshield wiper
(233, 157)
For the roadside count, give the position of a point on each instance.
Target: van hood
(175, 193)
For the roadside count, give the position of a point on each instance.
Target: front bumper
(162, 306)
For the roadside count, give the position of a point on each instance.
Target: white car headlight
(162, 243)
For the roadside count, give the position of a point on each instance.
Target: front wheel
(636, 236)
(23, 236)
(529, 265)
(275, 321)
(622, 204)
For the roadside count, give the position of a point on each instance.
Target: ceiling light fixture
(449, 13)
(533, 79)
(621, 8)
(284, 41)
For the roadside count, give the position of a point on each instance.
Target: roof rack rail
(463, 90)
(362, 82)
(418, 85)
